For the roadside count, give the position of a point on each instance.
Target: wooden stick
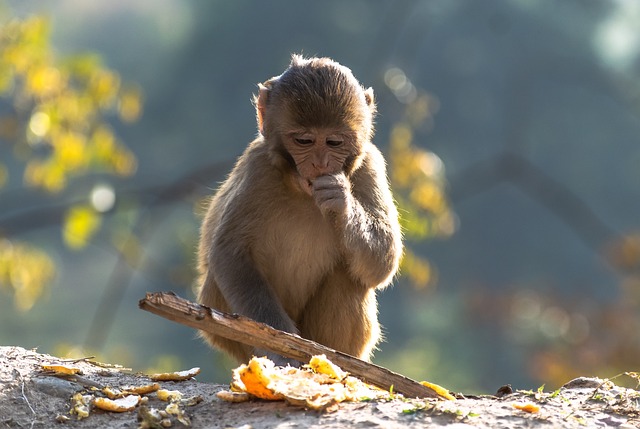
(247, 331)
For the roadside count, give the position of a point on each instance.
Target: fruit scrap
(61, 369)
(228, 396)
(174, 409)
(528, 407)
(175, 376)
(141, 390)
(115, 393)
(441, 391)
(169, 395)
(318, 390)
(320, 364)
(80, 405)
(255, 378)
(152, 418)
(121, 405)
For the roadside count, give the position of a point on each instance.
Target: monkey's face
(319, 152)
(317, 117)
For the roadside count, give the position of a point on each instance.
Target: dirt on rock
(31, 397)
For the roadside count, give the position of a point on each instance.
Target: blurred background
(511, 129)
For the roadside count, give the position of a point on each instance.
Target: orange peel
(313, 390)
(528, 407)
(120, 405)
(61, 369)
(255, 377)
(441, 391)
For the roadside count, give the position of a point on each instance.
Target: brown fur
(301, 235)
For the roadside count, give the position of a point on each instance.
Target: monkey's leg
(211, 296)
(344, 316)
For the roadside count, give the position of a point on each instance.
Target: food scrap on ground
(141, 390)
(61, 369)
(527, 408)
(80, 405)
(169, 395)
(316, 386)
(175, 376)
(120, 405)
(127, 398)
(441, 391)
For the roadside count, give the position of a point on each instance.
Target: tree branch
(250, 332)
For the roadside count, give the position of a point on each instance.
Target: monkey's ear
(370, 99)
(261, 104)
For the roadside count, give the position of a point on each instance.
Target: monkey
(304, 229)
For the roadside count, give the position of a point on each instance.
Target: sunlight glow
(398, 82)
(103, 197)
(617, 39)
(39, 124)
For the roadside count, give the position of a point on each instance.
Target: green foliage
(58, 127)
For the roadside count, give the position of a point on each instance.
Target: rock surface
(33, 398)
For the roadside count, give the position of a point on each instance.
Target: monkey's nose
(321, 168)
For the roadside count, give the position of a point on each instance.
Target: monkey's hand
(332, 194)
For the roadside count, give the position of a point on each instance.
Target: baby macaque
(304, 230)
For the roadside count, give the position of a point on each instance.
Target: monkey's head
(316, 117)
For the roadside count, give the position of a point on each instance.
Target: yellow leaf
(104, 87)
(401, 137)
(70, 150)
(417, 269)
(124, 162)
(80, 224)
(130, 106)
(25, 271)
(44, 81)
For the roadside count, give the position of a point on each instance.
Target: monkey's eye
(334, 143)
(304, 142)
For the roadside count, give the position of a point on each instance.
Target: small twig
(82, 359)
(114, 366)
(24, 396)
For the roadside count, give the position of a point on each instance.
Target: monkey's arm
(246, 292)
(243, 287)
(367, 219)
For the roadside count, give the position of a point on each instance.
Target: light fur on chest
(298, 249)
